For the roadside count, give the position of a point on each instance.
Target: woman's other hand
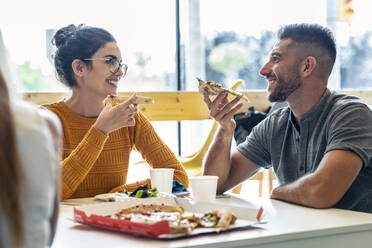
(112, 118)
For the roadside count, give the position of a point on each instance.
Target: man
(320, 146)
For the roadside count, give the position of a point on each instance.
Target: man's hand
(112, 118)
(222, 110)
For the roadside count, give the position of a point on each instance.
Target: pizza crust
(115, 100)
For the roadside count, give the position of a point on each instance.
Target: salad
(143, 191)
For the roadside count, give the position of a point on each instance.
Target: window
(146, 39)
(355, 47)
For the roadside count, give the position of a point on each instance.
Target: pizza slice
(225, 218)
(222, 218)
(150, 214)
(214, 89)
(115, 100)
(178, 221)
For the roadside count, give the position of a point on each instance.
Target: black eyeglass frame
(121, 65)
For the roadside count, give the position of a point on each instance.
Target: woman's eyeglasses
(114, 64)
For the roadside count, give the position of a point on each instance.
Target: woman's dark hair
(11, 173)
(76, 42)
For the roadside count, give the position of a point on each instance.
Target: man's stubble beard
(285, 87)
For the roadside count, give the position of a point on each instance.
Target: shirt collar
(314, 111)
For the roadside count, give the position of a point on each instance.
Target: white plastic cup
(162, 179)
(203, 188)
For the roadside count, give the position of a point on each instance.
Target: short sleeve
(351, 130)
(256, 146)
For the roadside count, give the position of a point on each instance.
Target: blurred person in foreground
(320, 146)
(30, 151)
(99, 138)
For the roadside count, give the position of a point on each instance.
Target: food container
(98, 215)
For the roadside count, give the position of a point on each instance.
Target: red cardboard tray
(125, 226)
(98, 215)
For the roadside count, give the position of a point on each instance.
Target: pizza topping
(150, 209)
(177, 220)
(152, 217)
(215, 88)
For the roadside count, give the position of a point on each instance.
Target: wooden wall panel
(182, 105)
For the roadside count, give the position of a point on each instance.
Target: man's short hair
(313, 36)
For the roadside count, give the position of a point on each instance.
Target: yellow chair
(261, 176)
(193, 163)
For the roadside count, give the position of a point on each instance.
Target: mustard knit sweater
(94, 163)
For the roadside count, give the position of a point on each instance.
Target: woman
(29, 179)
(98, 139)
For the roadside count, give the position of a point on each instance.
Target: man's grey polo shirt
(336, 122)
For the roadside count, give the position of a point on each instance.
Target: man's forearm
(307, 191)
(218, 158)
(324, 187)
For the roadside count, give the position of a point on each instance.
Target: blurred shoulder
(52, 121)
(31, 117)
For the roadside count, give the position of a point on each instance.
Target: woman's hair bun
(64, 33)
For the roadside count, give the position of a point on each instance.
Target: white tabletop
(288, 226)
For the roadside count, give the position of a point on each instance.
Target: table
(288, 226)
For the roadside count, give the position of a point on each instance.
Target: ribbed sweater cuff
(131, 186)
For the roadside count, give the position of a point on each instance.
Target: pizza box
(98, 215)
